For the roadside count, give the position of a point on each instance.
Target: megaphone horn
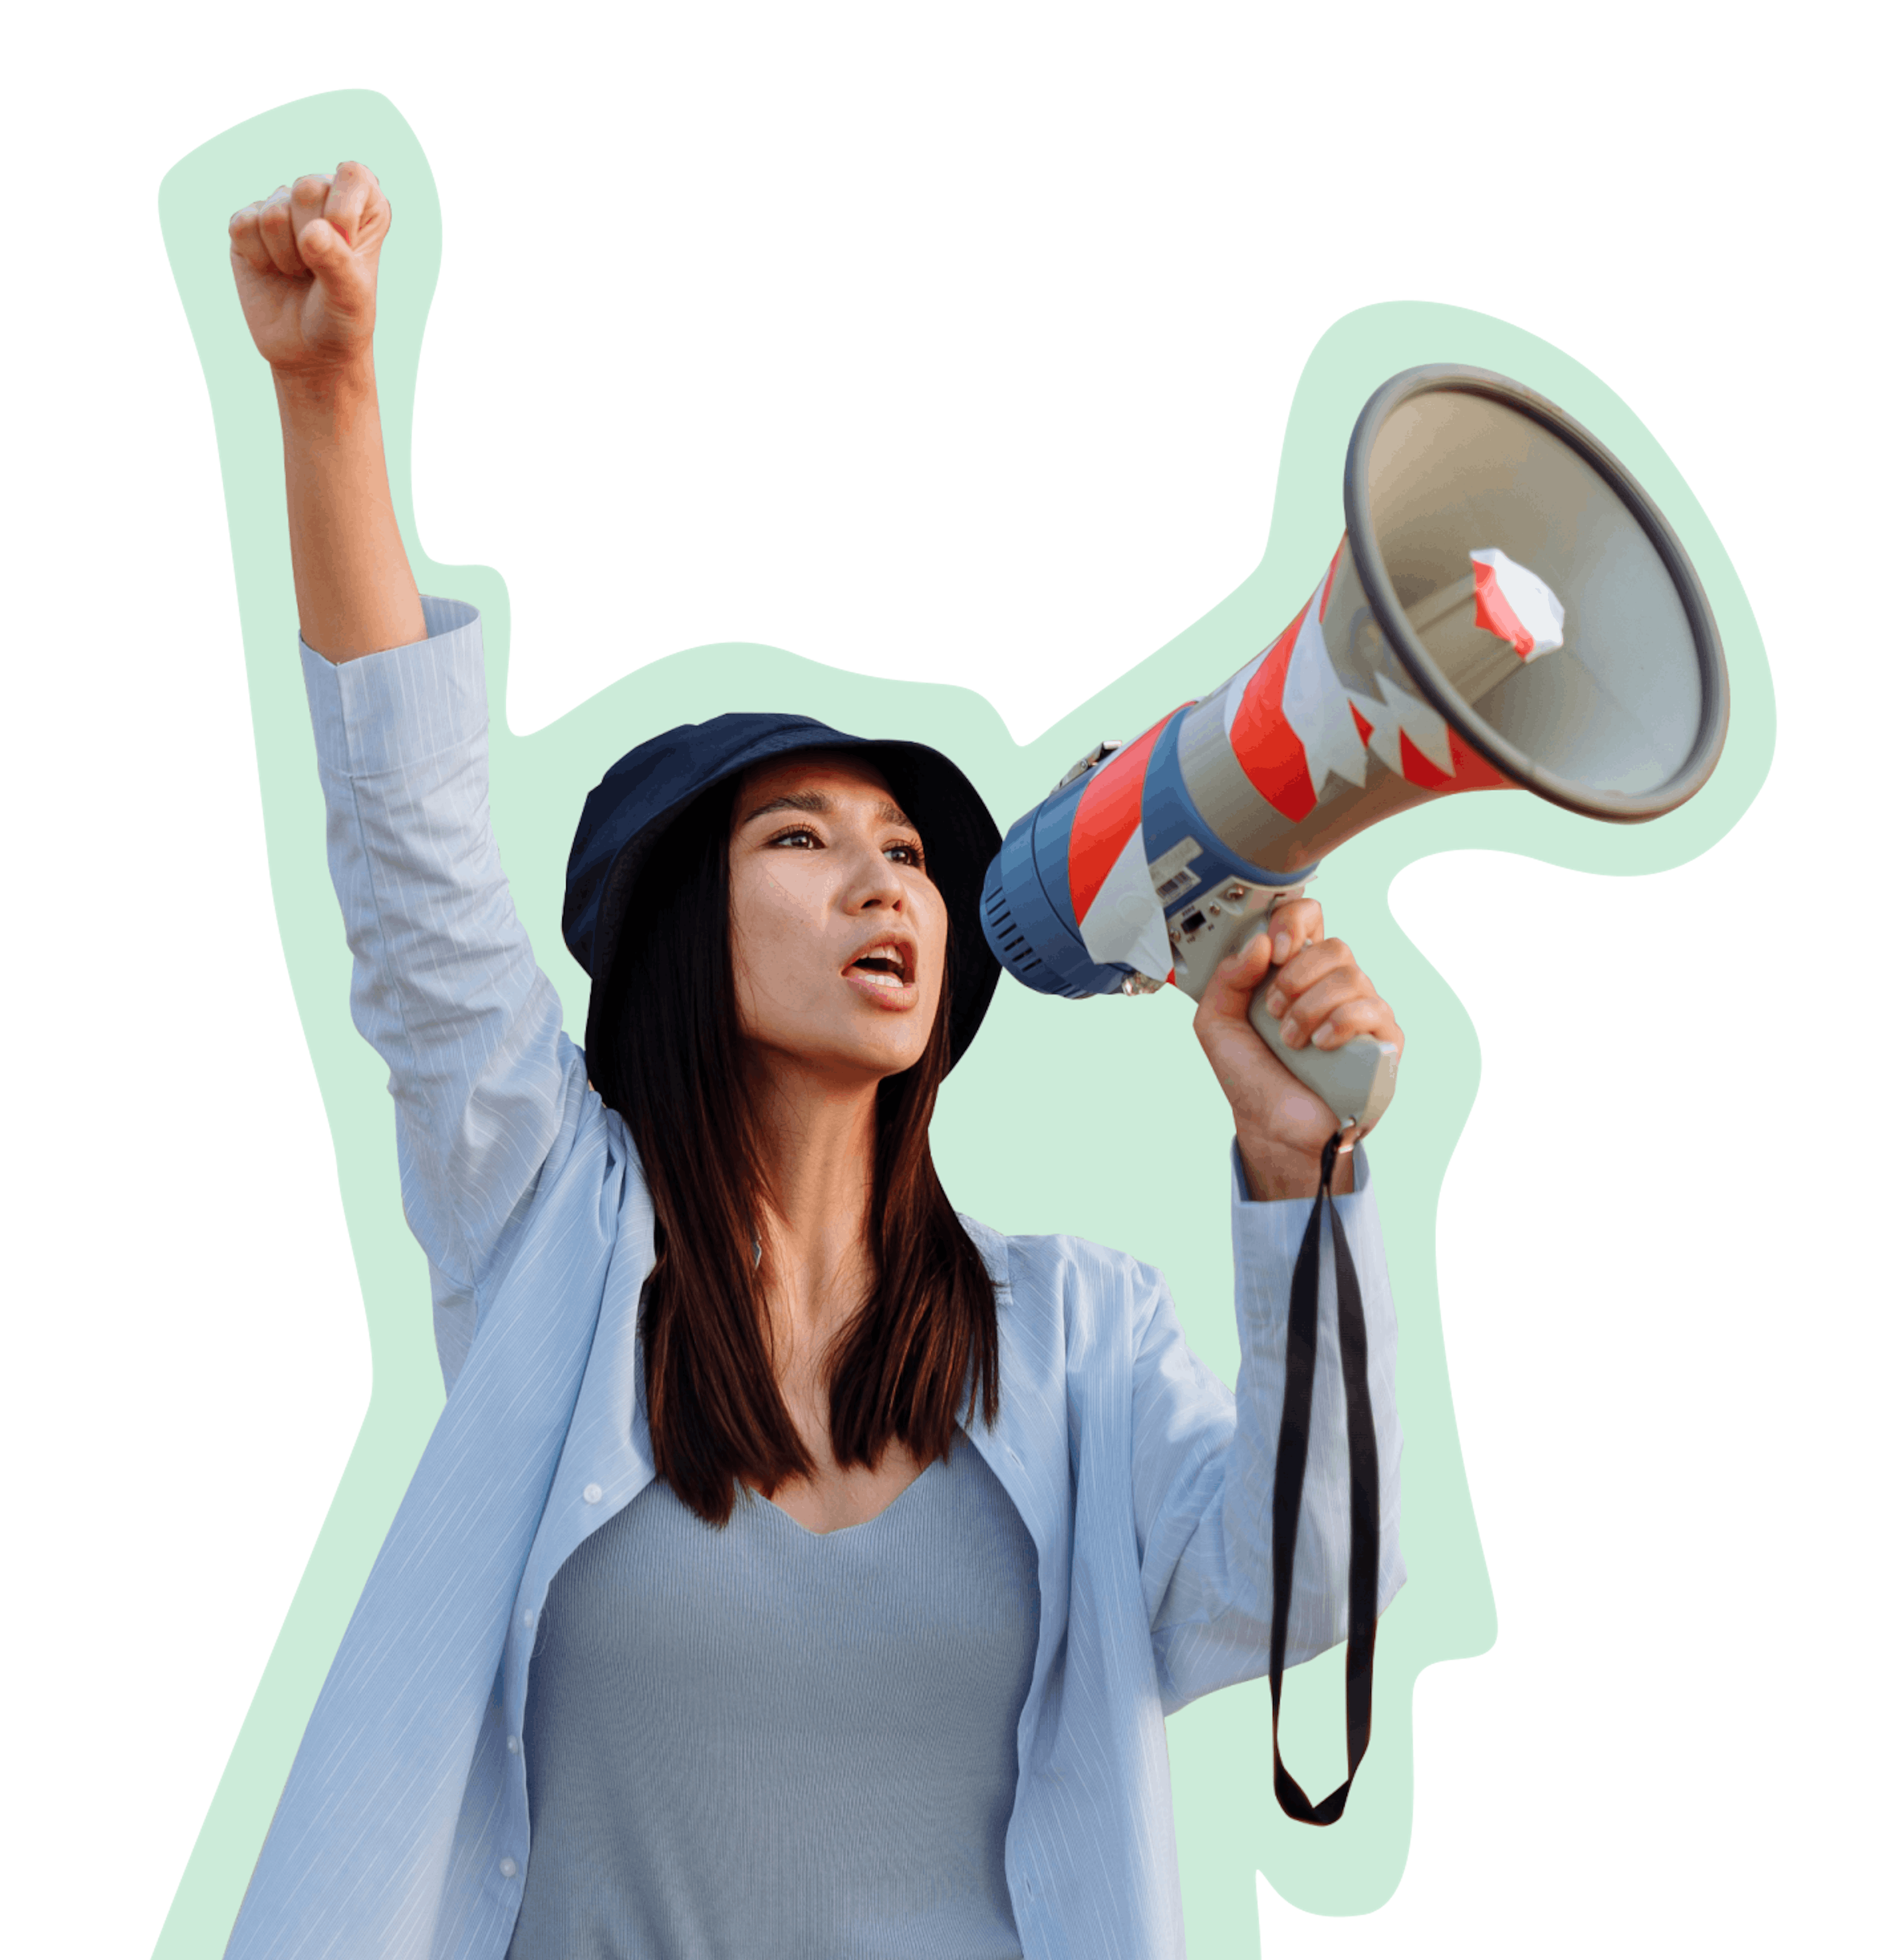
(1507, 609)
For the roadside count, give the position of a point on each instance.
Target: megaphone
(1508, 610)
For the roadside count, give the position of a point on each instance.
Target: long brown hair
(923, 1345)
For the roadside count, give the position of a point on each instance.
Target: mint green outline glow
(1034, 1054)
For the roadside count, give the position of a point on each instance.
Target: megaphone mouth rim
(1615, 806)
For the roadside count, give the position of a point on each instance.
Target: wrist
(1274, 1172)
(325, 390)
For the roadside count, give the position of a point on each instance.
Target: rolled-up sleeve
(445, 984)
(1204, 1493)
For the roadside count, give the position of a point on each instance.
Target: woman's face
(838, 933)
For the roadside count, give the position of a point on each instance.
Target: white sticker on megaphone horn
(1515, 605)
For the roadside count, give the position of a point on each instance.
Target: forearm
(356, 593)
(1267, 1240)
(1204, 1487)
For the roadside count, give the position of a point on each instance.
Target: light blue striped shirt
(403, 1831)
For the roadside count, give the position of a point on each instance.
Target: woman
(812, 1566)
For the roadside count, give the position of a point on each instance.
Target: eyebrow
(815, 803)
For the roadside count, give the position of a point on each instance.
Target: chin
(844, 1062)
(883, 1062)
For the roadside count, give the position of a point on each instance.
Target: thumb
(323, 249)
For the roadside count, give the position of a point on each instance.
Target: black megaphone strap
(1288, 1486)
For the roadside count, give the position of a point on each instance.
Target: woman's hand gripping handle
(1299, 1039)
(304, 259)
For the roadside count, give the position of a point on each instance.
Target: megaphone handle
(1354, 1081)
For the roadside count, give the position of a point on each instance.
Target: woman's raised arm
(487, 1090)
(304, 258)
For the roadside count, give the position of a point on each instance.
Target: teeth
(872, 963)
(882, 979)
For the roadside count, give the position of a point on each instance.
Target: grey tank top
(767, 1741)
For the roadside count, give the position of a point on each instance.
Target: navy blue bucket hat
(651, 786)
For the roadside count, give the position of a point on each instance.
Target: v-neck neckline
(862, 1524)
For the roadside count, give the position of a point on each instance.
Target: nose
(874, 881)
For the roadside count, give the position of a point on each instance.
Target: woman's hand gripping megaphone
(1290, 1003)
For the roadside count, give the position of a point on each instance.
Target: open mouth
(887, 964)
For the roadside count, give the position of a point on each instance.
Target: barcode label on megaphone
(1172, 877)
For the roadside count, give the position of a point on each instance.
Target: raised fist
(304, 259)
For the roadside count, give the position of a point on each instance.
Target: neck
(818, 1140)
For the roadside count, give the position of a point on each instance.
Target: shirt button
(591, 1493)
(509, 1868)
(527, 1618)
(514, 1746)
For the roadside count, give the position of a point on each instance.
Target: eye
(910, 854)
(800, 835)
